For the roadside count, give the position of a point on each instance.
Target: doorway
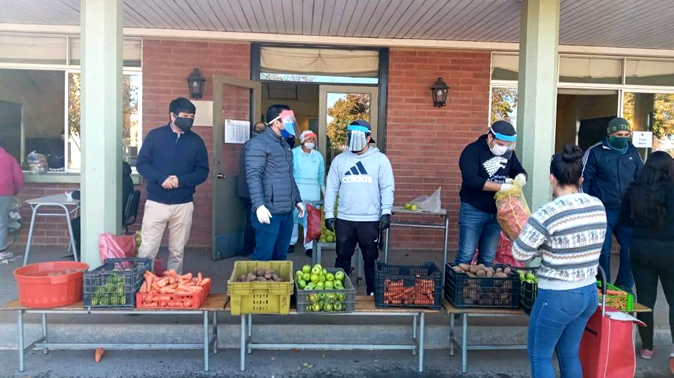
(583, 116)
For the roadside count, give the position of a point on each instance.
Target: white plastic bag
(426, 203)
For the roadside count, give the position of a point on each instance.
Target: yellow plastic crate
(261, 297)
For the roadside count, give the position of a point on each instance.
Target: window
(131, 132)
(31, 114)
(649, 72)
(504, 104)
(505, 66)
(590, 70)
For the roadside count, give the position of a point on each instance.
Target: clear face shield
(357, 138)
(287, 117)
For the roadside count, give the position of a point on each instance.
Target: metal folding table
(213, 304)
(61, 201)
(364, 307)
(443, 225)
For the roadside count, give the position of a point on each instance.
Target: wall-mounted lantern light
(439, 90)
(195, 82)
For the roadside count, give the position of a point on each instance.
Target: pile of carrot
(171, 290)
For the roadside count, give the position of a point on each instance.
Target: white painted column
(537, 94)
(101, 101)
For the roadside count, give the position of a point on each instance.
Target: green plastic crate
(261, 297)
(619, 302)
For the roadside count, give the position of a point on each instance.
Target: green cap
(618, 124)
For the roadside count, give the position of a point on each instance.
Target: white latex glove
(505, 187)
(323, 191)
(521, 179)
(301, 209)
(508, 180)
(263, 215)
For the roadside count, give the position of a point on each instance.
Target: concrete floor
(500, 364)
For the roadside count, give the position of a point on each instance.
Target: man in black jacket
(487, 165)
(249, 233)
(609, 167)
(273, 192)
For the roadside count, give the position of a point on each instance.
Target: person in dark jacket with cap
(273, 192)
(609, 168)
(487, 165)
(242, 190)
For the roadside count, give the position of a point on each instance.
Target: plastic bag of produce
(37, 163)
(313, 223)
(432, 204)
(512, 211)
(116, 247)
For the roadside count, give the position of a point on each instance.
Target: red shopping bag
(504, 253)
(313, 223)
(116, 246)
(607, 347)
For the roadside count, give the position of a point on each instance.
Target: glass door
(338, 106)
(652, 112)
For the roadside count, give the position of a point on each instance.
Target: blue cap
(362, 125)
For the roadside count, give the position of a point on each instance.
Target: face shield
(357, 138)
(287, 118)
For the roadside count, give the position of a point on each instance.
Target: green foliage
(503, 103)
(343, 111)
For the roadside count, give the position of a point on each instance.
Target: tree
(345, 110)
(503, 103)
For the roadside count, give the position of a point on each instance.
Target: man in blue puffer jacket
(273, 192)
(609, 167)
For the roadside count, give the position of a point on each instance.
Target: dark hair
(567, 166)
(259, 127)
(181, 104)
(274, 110)
(648, 194)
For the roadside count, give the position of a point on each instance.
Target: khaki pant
(179, 220)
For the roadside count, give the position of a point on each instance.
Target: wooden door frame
(219, 129)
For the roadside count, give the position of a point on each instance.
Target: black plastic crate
(115, 283)
(423, 281)
(463, 291)
(528, 292)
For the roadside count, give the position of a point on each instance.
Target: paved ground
(269, 364)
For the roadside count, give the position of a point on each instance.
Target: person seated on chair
(127, 189)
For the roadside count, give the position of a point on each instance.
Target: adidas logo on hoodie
(357, 174)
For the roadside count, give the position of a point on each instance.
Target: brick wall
(166, 65)
(423, 142)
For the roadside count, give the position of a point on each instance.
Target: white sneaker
(6, 255)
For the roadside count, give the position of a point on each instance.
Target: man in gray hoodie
(363, 178)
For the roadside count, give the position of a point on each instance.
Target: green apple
(327, 307)
(340, 297)
(301, 284)
(318, 266)
(322, 278)
(331, 297)
(316, 307)
(413, 207)
(338, 307)
(329, 277)
(329, 285)
(325, 272)
(315, 278)
(306, 269)
(316, 270)
(320, 286)
(312, 298)
(338, 285)
(306, 277)
(339, 276)
(310, 286)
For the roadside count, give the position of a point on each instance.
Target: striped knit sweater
(568, 233)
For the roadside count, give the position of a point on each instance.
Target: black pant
(651, 260)
(249, 233)
(366, 235)
(75, 224)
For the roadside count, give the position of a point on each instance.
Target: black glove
(385, 222)
(330, 224)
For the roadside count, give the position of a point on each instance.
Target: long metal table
(213, 304)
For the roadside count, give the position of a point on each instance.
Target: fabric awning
(328, 62)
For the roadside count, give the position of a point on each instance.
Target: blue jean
(557, 323)
(477, 228)
(272, 240)
(6, 203)
(624, 236)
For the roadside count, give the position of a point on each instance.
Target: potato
(474, 269)
(267, 275)
(269, 271)
(464, 267)
(481, 266)
(457, 269)
(499, 270)
(262, 279)
(251, 277)
(490, 273)
(500, 275)
(507, 270)
(471, 274)
(481, 273)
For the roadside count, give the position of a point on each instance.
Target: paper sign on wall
(642, 139)
(237, 131)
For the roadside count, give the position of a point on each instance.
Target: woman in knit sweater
(568, 234)
(648, 207)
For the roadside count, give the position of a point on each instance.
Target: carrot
(187, 276)
(163, 282)
(199, 278)
(155, 287)
(171, 273)
(99, 354)
(143, 287)
(615, 292)
(204, 282)
(167, 290)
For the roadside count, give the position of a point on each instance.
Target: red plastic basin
(50, 284)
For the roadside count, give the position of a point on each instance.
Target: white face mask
(499, 150)
(309, 145)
